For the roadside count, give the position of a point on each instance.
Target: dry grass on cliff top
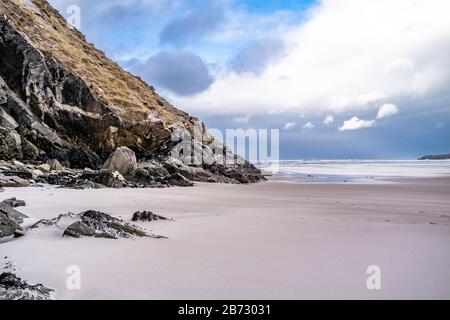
(128, 95)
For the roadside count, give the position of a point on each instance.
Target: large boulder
(122, 160)
(55, 165)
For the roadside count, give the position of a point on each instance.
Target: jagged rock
(7, 225)
(55, 165)
(81, 157)
(79, 229)
(14, 203)
(147, 216)
(14, 288)
(100, 225)
(122, 160)
(13, 182)
(12, 213)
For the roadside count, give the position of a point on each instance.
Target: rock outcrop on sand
(63, 100)
(93, 224)
(100, 225)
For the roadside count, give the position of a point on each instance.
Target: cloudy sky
(339, 78)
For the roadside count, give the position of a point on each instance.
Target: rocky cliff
(61, 98)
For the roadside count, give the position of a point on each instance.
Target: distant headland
(436, 157)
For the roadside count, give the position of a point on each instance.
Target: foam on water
(357, 170)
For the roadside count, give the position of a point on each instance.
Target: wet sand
(265, 241)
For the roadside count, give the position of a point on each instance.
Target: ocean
(347, 171)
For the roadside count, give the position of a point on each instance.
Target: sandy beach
(261, 241)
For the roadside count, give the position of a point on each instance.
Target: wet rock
(147, 216)
(122, 160)
(14, 288)
(14, 203)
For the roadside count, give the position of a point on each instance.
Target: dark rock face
(60, 98)
(14, 288)
(147, 216)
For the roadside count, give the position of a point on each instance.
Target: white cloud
(242, 119)
(355, 123)
(387, 110)
(308, 126)
(328, 120)
(289, 126)
(349, 55)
